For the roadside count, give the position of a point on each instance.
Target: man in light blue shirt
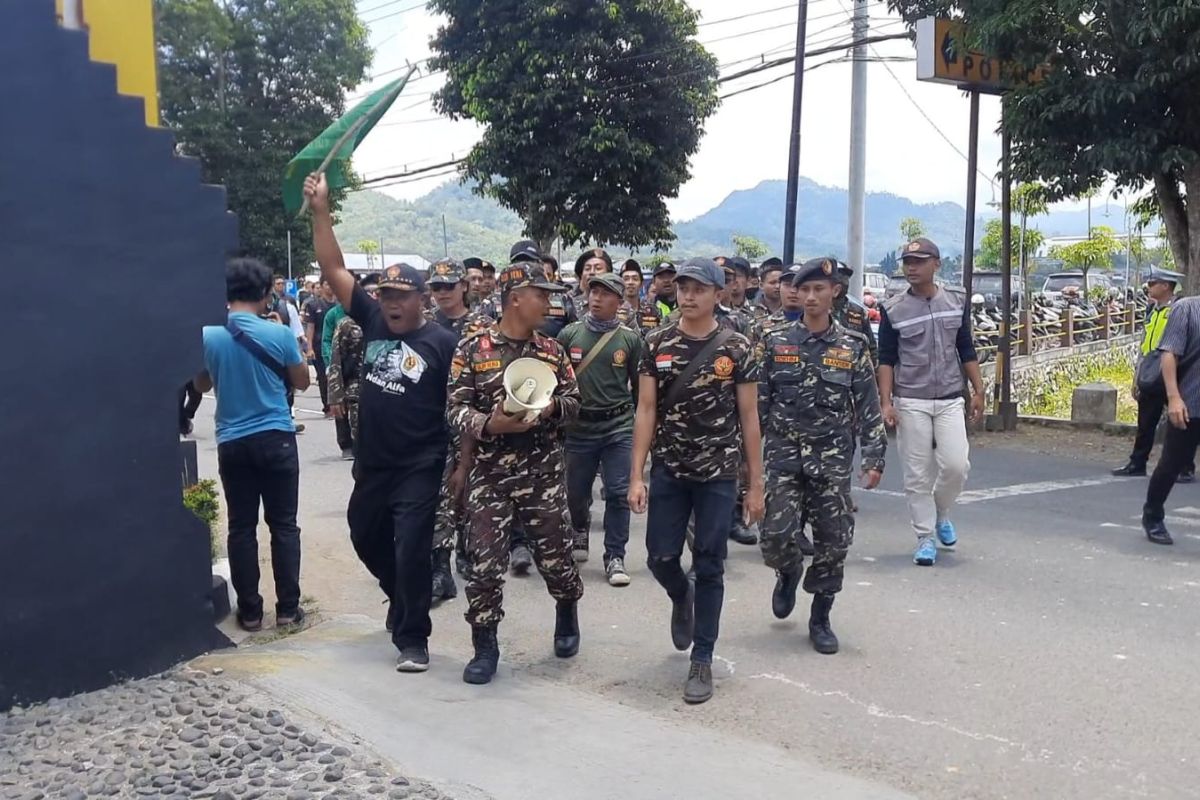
(251, 362)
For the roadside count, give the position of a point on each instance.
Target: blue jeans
(612, 455)
(671, 504)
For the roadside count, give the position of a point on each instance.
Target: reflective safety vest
(1156, 323)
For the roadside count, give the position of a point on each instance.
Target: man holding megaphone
(511, 390)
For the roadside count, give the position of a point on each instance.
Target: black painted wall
(112, 257)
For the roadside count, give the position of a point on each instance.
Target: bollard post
(1068, 331)
(1025, 344)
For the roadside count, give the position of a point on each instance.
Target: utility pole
(972, 170)
(855, 240)
(382, 260)
(445, 239)
(289, 240)
(793, 183)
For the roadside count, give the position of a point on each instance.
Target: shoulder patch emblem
(723, 367)
(619, 358)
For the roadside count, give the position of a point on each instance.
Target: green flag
(330, 152)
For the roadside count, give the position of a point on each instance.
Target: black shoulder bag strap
(245, 340)
(676, 388)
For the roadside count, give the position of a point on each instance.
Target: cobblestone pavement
(184, 734)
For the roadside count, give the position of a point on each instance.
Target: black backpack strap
(245, 340)
(676, 388)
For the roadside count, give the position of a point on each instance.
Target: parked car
(895, 285)
(1055, 283)
(991, 285)
(875, 283)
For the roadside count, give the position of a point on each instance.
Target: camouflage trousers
(352, 415)
(450, 529)
(494, 499)
(793, 498)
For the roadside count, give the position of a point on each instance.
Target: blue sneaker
(946, 534)
(926, 552)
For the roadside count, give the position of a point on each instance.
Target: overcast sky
(916, 131)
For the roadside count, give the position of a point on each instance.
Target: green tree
(1118, 101)
(888, 264)
(245, 84)
(911, 228)
(749, 248)
(1096, 251)
(990, 246)
(590, 110)
(369, 248)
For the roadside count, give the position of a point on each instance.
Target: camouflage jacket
(853, 315)
(346, 363)
(813, 393)
(467, 325)
(477, 387)
(643, 318)
(699, 438)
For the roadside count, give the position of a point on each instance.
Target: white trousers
(933, 477)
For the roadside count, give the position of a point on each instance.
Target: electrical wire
(394, 13)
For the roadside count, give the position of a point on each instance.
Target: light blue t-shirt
(250, 397)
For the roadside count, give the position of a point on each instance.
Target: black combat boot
(566, 629)
(443, 579)
(783, 599)
(482, 667)
(819, 632)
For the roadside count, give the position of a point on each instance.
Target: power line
(394, 13)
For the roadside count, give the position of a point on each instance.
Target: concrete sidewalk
(521, 737)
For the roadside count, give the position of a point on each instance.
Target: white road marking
(1019, 489)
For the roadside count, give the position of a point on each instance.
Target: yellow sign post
(943, 57)
(120, 32)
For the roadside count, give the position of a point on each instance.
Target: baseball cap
(741, 265)
(525, 273)
(446, 272)
(704, 270)
(586, 255)
(370, 281)
(524, 250)
(609, 281)
(724, 263)
(814, 269)
(920, 248)
(665, 266)
(402, 276)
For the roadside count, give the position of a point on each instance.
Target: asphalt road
(1052, 654)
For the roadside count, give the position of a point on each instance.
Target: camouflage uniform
(345, 369)
(643, 319)
(449, 529)
(513, 474)
(853, 315)
(813, 392)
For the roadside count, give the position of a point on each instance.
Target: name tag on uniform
(555, 311)
(836, 362)
(576, 354)
(486, 366)
(663, 362)
(787, 358)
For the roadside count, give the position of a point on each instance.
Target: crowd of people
(748, 393)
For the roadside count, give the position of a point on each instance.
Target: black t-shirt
(402, 397)
(314, 314)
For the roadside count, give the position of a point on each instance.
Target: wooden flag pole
(345, 137)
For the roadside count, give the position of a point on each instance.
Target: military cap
(402, 276)
(631, 265)
(665, 266)
(526, 273)
(587, 255)
(478, 263)
(446, 272)
(704, 270)
(608, 281)
(1164, 275)
(920, 248)
(814, 269)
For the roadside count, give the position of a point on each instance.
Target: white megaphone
(528, 387)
